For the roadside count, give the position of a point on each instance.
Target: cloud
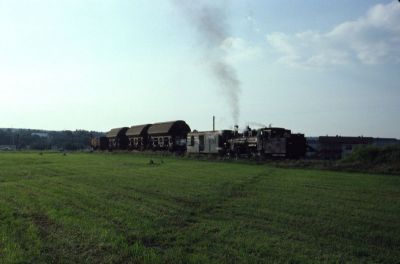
(371, 39)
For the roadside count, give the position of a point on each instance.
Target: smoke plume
(211, 26)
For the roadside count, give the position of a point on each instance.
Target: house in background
(384, 142)
(338, 147)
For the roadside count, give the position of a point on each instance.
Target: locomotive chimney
(213, 123)
(236, 130)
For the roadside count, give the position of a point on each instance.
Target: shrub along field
(119, 208)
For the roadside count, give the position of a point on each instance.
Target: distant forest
(47, 140)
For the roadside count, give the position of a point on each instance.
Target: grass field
(118, 208)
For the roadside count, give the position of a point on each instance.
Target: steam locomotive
(271, 142)
(175, 136)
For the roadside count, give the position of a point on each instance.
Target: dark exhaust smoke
(211, 26)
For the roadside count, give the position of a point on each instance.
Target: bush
(374, 159)
(376, 155)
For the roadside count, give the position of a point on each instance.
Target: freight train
(176, 136)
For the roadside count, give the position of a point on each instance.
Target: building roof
(394, 140)
(345, 140)
(172, 127)
(137, 130)
(115, 132)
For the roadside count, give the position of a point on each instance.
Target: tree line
(47, 140)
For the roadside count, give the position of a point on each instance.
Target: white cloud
(371, 39)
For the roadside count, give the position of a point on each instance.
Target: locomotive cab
(272, 142)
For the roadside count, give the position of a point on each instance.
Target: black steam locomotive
(271, 142)
(175, 136)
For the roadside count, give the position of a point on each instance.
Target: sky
(318, 67)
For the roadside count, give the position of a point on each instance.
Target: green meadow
(120, 208)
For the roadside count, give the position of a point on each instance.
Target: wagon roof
(179, 127)
(137, 130)
(115, 132)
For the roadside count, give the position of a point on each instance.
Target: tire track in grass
(47, 231)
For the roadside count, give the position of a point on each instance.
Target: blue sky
(316, 67)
